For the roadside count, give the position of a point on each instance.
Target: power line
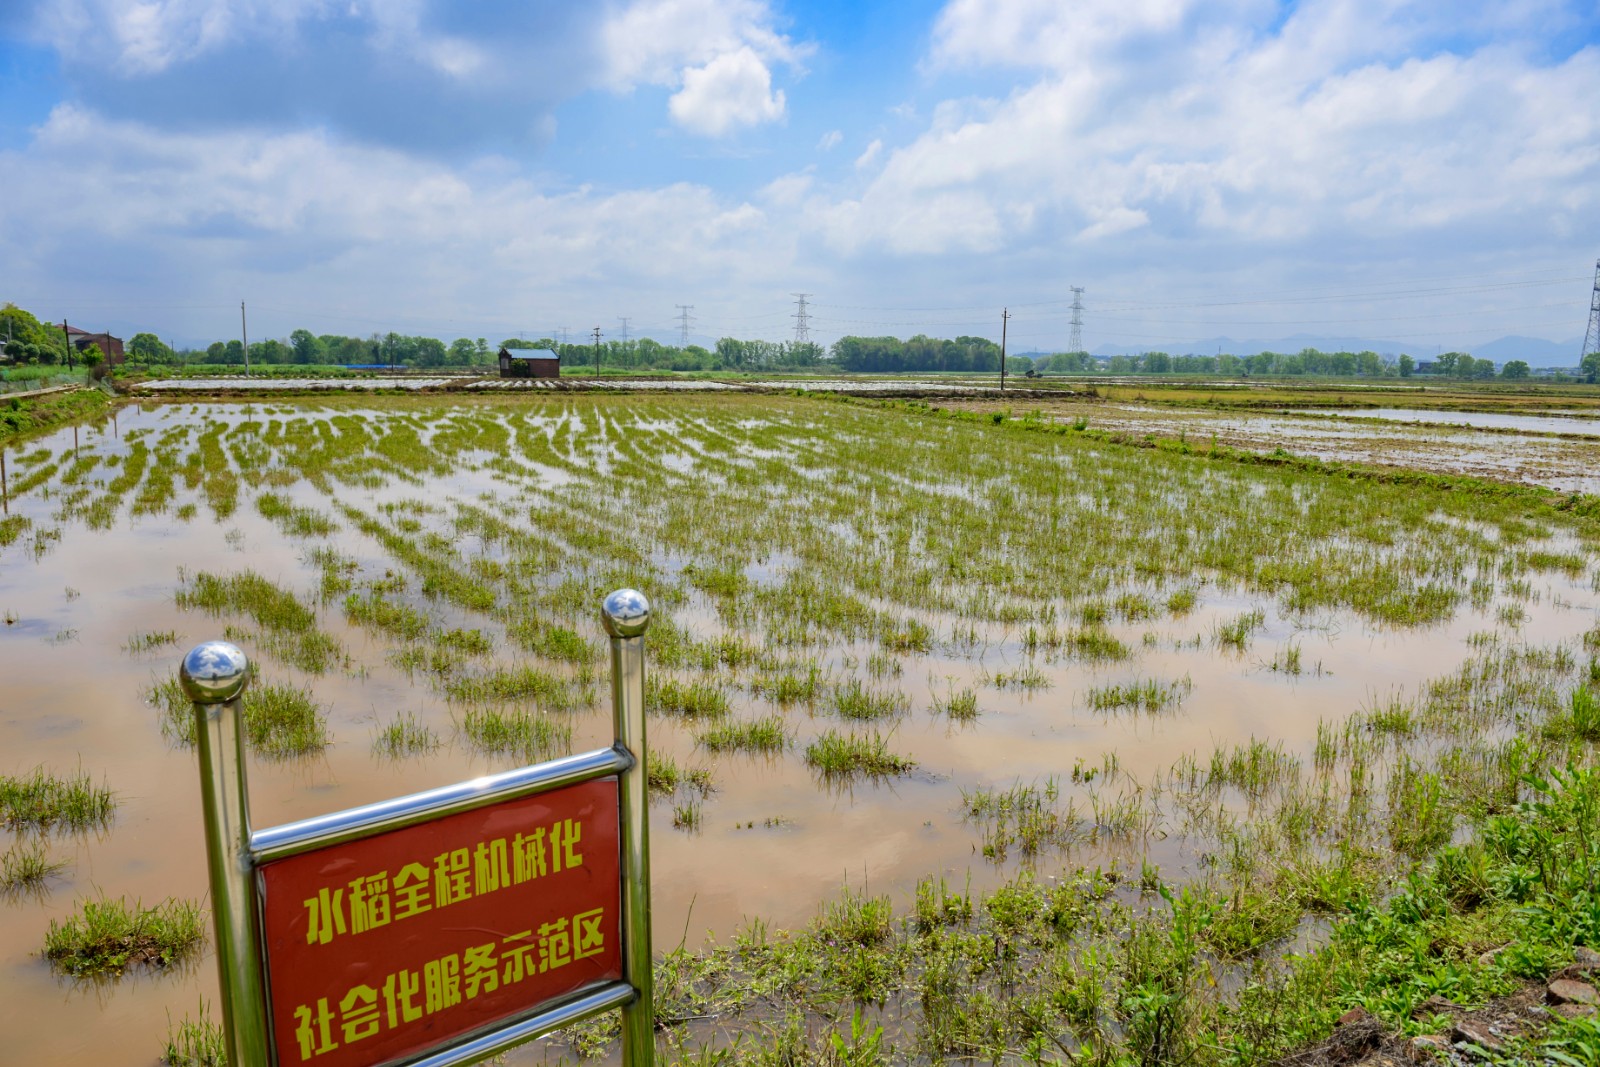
(683, 314)
(802, 330)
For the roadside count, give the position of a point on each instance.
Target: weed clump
(767, 734)
(530, 735)
(406, 735)
(846, 755)
(108, 936)
(196, 1042)
(27, 865)
(42, 800)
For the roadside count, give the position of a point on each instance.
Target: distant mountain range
(1536, 351)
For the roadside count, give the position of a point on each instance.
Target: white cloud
(731, 91)
(870, 155)
(652, 42)
(787, 190)
(717, 54)
(830, 140)
(1324, 128)
(145, 37)
(319, 226)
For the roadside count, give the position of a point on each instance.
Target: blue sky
(1422, 172)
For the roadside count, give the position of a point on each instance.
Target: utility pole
(597, 351)
(1005, 319)
(683, 315)
(1591, 336)
(244, 333)
(66, 333)
(802, 323)
(1077, 319)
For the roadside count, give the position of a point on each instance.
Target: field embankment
(23, 417)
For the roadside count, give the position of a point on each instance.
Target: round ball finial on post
(214, 672)
(626, 613)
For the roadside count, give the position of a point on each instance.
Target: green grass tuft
(26, 865)
(769, 734)
(108, 936)
(405, 736)
(42, 800)
(845, 755)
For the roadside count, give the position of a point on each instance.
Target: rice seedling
(1181, 602)
(467, 642)
(1147, 695)
(1095, 644)
(767, 734)
(853, 700)
(517, 684)
(373, 610)
(1235, 634)
(27, 865)
(688, 814)
(1287, 661)
(150, 641)
(960, 706)
(198, 1042)
(844, 755)
(1025, 817)
(791, 687)
(292, 520)
(42, 800)
(107, 936)
(405, 735)
(1027, 677)
(283, 721)
(666, 776)
(289, 628)
(688, 700)
(552, 642)
(530, 735)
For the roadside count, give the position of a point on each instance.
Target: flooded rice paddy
(1555, 452)
(871, 625)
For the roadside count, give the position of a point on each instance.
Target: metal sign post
(439, 928)
(214, 676)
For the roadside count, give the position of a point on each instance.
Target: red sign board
(394, 944)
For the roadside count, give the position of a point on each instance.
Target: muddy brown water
(71, 698)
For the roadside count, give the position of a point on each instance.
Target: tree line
(26, 340)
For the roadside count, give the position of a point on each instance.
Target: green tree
(1407, 365)
(426, 351)
(463, 353)
(307, 347)
(1515, 371)
(1591, 367)
(147, 348)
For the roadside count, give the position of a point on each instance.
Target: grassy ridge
(24, 418)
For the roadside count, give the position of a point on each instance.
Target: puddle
(1576, 423)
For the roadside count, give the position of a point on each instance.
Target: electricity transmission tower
(1077, 320)
(683, 317)
(1591, 336)
(802, 322)
(624, 329)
